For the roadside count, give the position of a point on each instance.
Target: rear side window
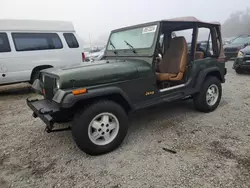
(36, 41)
(71, 40)
(4, 43)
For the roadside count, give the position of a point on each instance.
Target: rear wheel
(209, 97)
(100, 128)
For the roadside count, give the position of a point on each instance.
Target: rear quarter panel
(200, 68)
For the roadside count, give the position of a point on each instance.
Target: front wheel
(209, 97)
(239, 70)
(100, 128)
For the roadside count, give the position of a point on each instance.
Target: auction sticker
(149, 29)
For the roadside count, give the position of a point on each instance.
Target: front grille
(247, 57)
(231, 49)
(49, 84)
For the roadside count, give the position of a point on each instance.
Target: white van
(28, 46)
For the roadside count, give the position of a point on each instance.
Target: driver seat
(174, 61)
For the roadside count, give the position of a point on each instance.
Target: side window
(204, 42)
(71, 40)
(187, 34)
(4, 43)
(36, 41)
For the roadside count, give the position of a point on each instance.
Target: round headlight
(57, 84)
(240, 54)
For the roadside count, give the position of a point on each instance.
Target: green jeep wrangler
(143, 65)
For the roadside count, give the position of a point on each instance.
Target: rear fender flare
(213, 71)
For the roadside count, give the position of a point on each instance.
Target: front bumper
(44, 110)
(241, 63)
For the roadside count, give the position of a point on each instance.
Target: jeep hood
(99, 72)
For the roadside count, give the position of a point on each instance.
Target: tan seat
(174, 61)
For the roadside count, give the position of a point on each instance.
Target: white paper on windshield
(149, 29)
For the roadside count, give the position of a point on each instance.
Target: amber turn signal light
(79, 91)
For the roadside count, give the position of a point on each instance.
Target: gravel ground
(212, 150)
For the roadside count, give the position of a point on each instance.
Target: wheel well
(38, 68)
(203, 76)
(118, 98)
(215, 74)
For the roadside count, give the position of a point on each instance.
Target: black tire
(239, 70)
(34, 76)
(200, 101)
(82, 122)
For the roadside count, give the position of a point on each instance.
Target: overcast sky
(98, 17)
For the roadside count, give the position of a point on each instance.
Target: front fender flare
(69, 100)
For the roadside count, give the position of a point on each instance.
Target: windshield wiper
(114, 49)
(130, 46)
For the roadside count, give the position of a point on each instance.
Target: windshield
(142, 37)
(241, 40)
